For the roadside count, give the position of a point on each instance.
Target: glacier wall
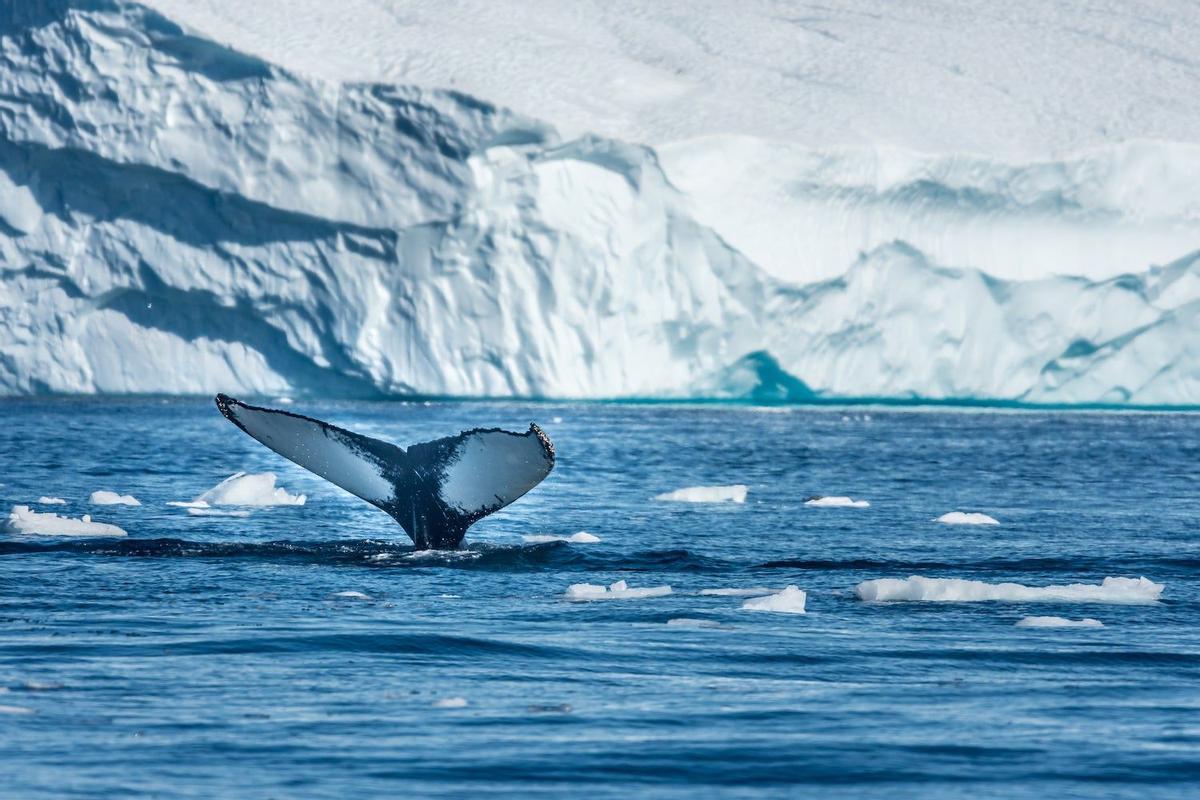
(178, 217)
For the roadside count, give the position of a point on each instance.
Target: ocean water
(214, 657)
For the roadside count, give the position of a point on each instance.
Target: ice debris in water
(24, 520)
(450, 702)
(835, 502)
(582, 537)
(50, 501)
(789, 601)
(957, 590)
(706, 494)
(107, 498)
(617, 591)
(689, 622)
(751, 591)
(1058, 622)
(351, 595)
(15, 710)
(966, 518)
(242, 489)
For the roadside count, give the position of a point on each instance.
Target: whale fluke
(435, 490)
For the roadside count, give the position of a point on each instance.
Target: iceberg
(957, 590)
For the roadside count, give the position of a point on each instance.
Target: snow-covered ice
(957, 590)
(789, 601)
(103, 497)
(836, 502)
(24, 520)
(1058, 622)
(620, 590)
(581, 537)
(706, 494)
(51, 501)
(966, 518)
(242, 489)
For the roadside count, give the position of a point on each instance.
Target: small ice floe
(350, 595)
(24, 520)
(582, 537)
(242, 489)
(51, 501)
(450, 702)
(689, 622)
(957, 590)
(790, 601)
(706, 494)
(557, 420)
(751, 591)
(204, 511)
(819, 501)
(1058, 622)
(582, 592)
(15, 710)
(107, 498)
(966, 518)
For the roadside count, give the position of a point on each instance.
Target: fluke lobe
(435, 490)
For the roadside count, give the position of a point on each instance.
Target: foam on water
(735, 493)
(836, 502)
(1058, 622)
(24, 520)
(103, 497)
(583, 592)
(789, 601)
(250, 489)
(966, 518)
(582, 537)
(957, 590)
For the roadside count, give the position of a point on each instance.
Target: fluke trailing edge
(435, 490)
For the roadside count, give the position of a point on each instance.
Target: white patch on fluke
(956, 590)
(242, 489)
(491, 468)
(583, 592)
(103, 497)
(23, 520)
(789, 601)
(1058, 622)
(836, 502)
(966, 518)
(735, 493)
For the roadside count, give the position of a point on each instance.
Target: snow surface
(242, 489)
(836, 502)
(966, 518)
(933, 202)
(106, 498)
(23, 520)
(789, 601)
(951, 590)
(706, 494)
(1058, 622)
(582, 537)
(583, 592)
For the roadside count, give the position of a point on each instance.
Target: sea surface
(210, 656)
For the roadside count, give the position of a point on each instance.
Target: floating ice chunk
(752, 591)
(106, 498)
(204, 511)
(790, 601)
(956, 590)
(706, 494)
(620, 590)
(966, 518)
(557, 420)
(50, 501)
(351, 595)
(582, 537)
(23, 520)
(450, 702)
(836, 502)
(1058, 622)
(15, 710)
(689, 622)
(256, 489)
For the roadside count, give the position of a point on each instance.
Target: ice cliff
(179, 217)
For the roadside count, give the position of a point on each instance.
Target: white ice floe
(689, 622)
(836, 502)
(957, 590)
(450, 702)
(107, 498)
(204, 511)
(23, 520)
(751, 591)
(790, 601)
(706, 494)
(582, 537)
(50, 501)
(966, 518)
(15, 710)
(620, 590)
(253, 489)
(1058, 622)
(351, 595)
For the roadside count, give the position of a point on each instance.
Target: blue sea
(207, 656)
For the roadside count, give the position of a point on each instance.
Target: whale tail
(435, 490)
